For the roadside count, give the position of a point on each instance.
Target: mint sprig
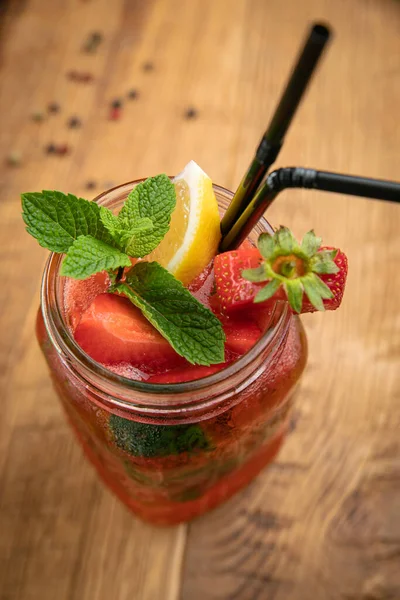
(58, 220)
(293, 266)
(192, 330)
(94, 240)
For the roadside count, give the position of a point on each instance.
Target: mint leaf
(131, 240)
(87, 256)
(155, 199)
(192, 330)
(56, 220)
(125, 238)
(109, 220)
(147, 440)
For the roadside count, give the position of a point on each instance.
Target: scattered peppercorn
(116, 103)
(80, 77)
(115, 114)
(38, 116)
(59, 150)
(86, 77)
(51, 149)
(191, 113)
(89, 47)
(93, 41)
(62, 149)
(14, 159)
(133, 94)
(74, 123)
(90, 185)
(97, 36)
(53, 108)
(148, 66)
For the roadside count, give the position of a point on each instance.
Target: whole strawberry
(311, 277)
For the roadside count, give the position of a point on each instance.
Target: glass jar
(171, 452)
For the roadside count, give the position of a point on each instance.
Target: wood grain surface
(324, 521)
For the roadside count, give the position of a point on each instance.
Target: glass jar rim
(95, 373)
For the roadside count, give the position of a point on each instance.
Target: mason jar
(171, 452)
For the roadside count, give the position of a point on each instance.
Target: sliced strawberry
(79, 293)
(310, 277)
(261, 313)
(112, 330)
(188, 373)
(232, 290)
(241, 333)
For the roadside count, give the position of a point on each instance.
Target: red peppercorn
(115, 114)
(86, 77)
(62, 150)
(80, 77)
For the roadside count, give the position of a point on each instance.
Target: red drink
(173, 446)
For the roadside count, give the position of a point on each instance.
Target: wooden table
(324, 521)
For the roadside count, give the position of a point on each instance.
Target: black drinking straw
(272, 139)
(297, 177)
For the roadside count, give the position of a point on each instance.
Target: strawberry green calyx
(294, 267)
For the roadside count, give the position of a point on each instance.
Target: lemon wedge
(193, 238)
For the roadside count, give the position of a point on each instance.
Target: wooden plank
(322, 522)
(62, 535)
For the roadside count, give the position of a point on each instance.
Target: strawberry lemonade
(175, 365)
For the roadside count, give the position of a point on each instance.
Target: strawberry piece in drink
(241, 333)
(112, 330)
(189, 373)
